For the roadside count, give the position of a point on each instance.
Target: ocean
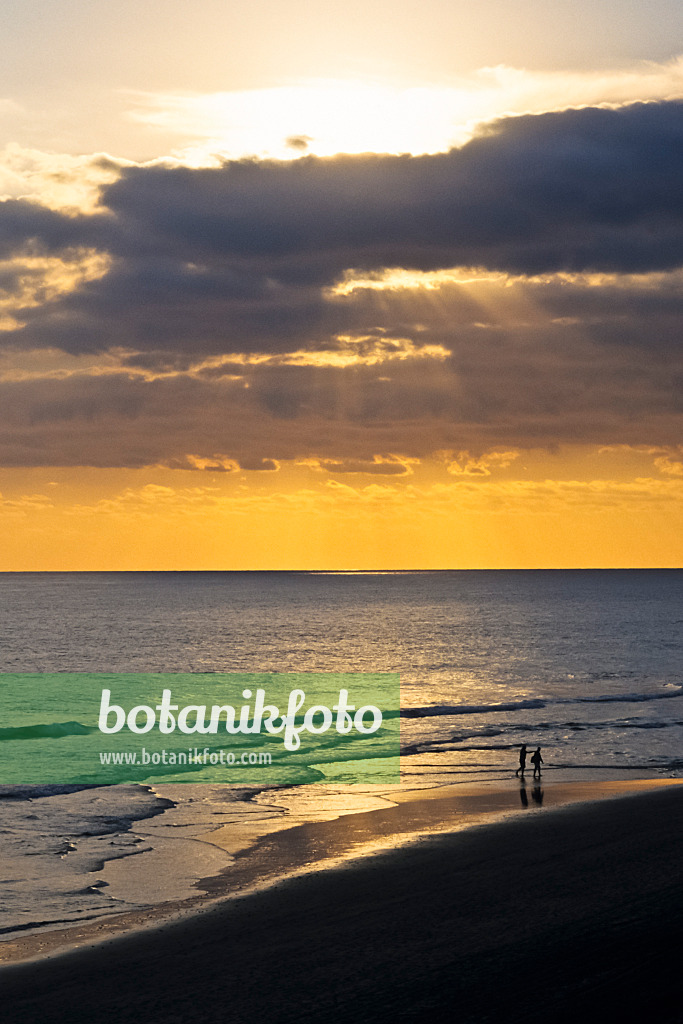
(585, 664)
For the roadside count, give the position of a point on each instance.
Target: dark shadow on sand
(572, 915)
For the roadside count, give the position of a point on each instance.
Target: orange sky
(324, 286)
(610, 508)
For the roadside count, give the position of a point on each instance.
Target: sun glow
(328, 116)
(318, 117)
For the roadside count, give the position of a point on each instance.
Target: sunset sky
(330, 285)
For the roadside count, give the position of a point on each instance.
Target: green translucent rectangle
(95, 728)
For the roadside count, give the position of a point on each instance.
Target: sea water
(585, 664)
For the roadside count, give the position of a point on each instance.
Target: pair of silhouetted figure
(536, 761)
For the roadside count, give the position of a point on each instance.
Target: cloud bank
(244, 313)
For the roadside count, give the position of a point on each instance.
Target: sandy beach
(569, 914)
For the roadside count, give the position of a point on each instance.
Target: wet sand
(575, 914)
(298, 844)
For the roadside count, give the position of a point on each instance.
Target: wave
(32, 791)
(662, 766)
(445, 710)
(52, 730)
(623, 698)
(434, 710)
(444, 744)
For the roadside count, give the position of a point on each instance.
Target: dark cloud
(376, 467)
(238, 260)
(25, 225)
(576, 190)
(234, 258)
(552, 388)
(300, 142)
(259, 465)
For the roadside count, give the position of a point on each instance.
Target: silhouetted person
(522, 760)
(537, 761)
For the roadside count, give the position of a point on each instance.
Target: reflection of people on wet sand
(537, 761)
(537, 794)
(522, 794)
(522, 760)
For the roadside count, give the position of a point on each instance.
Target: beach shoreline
(454, 814)
(292, 847)
(527, 919)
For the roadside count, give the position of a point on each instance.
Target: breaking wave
(53, 730)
